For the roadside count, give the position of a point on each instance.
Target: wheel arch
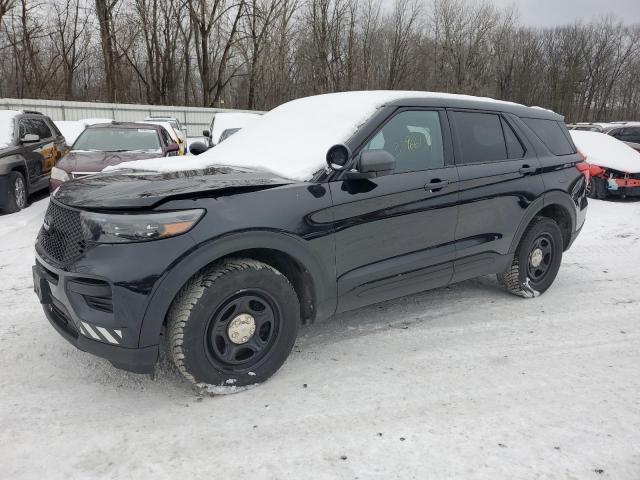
(556, 205)
(286, 253)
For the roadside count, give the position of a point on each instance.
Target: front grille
(60, 237)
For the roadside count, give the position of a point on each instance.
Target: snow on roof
(7, 127)
(605, 151)
(226, 120)
(70, 129)
(292, 140)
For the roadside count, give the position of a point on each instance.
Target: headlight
(59, 174)
(120, 228)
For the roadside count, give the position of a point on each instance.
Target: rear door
(394, 233)
(500, 176)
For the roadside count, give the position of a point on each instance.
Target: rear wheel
(17, 193)
(536, 261)
(597, 188)
(234, 324)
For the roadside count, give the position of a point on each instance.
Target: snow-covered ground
(461, 382)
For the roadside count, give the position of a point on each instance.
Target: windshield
(115, 139)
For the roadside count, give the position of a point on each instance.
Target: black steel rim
(544, 243)
(227, 355)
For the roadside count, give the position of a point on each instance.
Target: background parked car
(227, 120)
(613, 166)
(106, 144)
(173, 133)
(181, 132)
(627, 132)
(30, 144)
(71, 129)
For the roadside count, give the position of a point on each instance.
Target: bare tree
(69, 37)
(105, 14)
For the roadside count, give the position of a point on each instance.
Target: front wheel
(17, 193)
(536, 261)
(234, 324)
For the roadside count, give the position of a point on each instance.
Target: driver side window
(414, 138)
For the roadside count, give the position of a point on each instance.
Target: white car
(173, 133)
(180, 131)
(614, 167)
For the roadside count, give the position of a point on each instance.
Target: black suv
(29, 147)
(227, 261)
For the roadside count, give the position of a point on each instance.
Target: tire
(540, 268)
(210, 322)
(17, 194)
(597, 188)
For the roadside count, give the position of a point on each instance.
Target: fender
(211, 250)
(556, 197)
(9, 162)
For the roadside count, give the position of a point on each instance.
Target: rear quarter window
(552, 134)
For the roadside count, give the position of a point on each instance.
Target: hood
(95, 161)
(129, 189)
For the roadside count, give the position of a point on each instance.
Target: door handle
(436, 185)
(524, 169)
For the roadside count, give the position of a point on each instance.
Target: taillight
(584, 168)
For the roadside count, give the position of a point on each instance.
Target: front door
(394, 233)
(41, 155)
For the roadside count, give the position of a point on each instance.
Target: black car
(30, 144)
(227, 261)
(627, 132)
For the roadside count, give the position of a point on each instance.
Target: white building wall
(194, 119)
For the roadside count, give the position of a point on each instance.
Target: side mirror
(172, 148)
(30, 138)
(338, 157)
(376, 161)
(196, 148)
(206, 133)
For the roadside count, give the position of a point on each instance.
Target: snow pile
(292, 140)
(225, 120)
(7, 127)
(70, 129)
(605, 151)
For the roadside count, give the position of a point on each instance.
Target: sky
(545, 13)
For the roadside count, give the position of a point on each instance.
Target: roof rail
(32, 112)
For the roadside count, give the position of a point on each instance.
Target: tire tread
(188, 297)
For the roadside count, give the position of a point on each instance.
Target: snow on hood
(292, 140)
(7, 127)
(605, 151)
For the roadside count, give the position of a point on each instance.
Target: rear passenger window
(480, 137)
(514, 147)
(551, 133)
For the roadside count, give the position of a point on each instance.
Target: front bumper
(77, 307)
